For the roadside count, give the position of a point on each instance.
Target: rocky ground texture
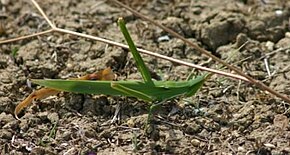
(225, 117)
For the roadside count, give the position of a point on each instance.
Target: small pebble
(279, 12)
(287, 34)
(270, 145)
(195, 142)
(270, 45)
(6, 118)
(53, 117)
(241, 149)
(163, 38)
(5, 134)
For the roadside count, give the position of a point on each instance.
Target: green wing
(161, 91)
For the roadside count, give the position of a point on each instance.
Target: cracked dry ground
(225, 117)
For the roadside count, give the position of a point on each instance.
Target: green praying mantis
(147, 90)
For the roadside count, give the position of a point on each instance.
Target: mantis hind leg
(152, 108)
(150, 127)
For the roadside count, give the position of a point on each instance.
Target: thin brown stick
(154, 54)
(43, 14)
(234, 76)
(26, 37)
(205, 52)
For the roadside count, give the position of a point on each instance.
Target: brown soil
(225, 117)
